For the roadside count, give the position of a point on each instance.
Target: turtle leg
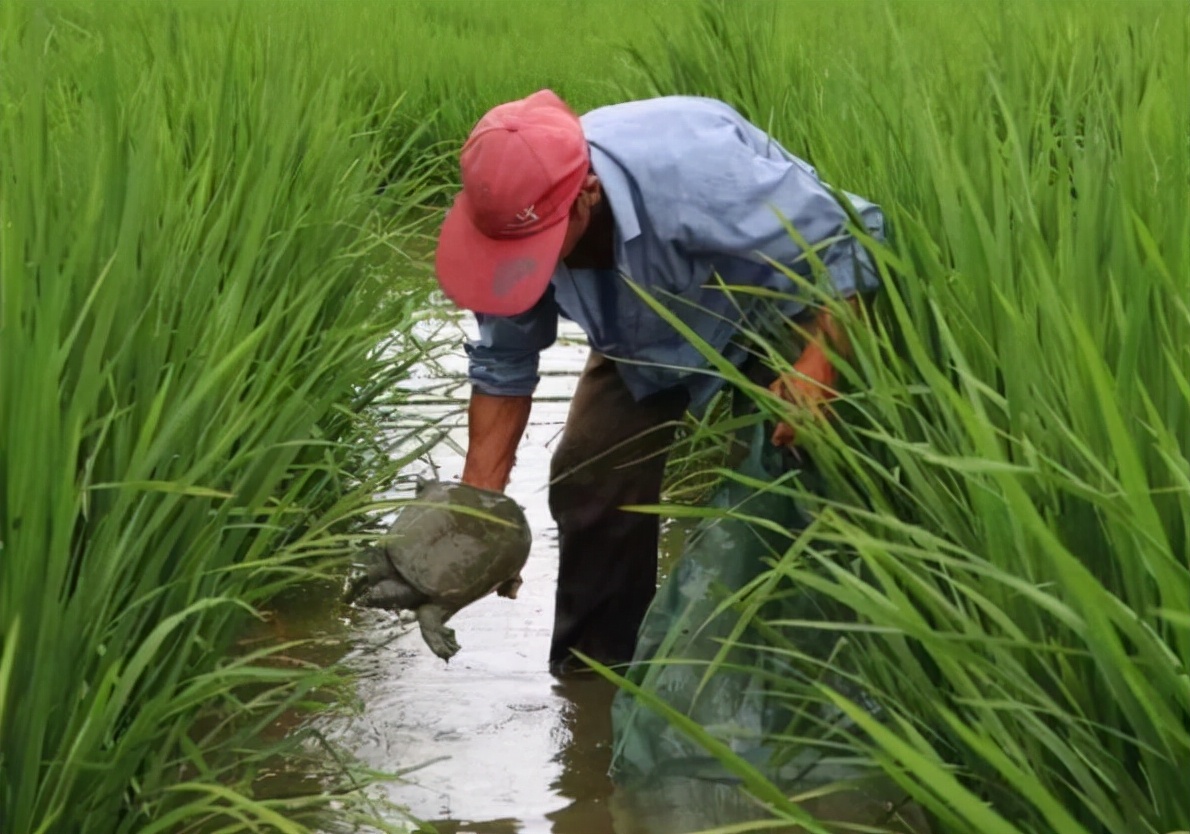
(440, 639)
(377, 568)
(509, 587)
(391, 594)
(381, 586)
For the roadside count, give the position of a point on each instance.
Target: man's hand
(810, 387)
(494, 428)
(812, 384)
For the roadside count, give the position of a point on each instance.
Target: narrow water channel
(507, 748)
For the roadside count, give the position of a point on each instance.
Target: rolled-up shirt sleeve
(503, 360)
(754, 187)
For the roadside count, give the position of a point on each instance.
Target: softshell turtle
(438, 558)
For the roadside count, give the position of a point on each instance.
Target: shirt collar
(617, 192)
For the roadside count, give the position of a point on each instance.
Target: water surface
(499, 744)
(506, 746)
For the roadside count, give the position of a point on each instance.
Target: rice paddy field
(214, 226)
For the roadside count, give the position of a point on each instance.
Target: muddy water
(505, 747)
(496, 743)
(499, 745)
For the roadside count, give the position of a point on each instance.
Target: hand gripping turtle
(454, 544)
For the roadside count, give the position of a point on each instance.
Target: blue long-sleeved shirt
(695, 191)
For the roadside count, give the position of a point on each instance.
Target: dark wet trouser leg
(612, 453)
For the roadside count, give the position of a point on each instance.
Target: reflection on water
(584, 757)
(580, 784)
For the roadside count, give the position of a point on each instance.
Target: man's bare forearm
(495, 426)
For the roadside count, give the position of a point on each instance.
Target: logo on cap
(524, 217)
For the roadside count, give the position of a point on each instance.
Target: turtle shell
(456, 557)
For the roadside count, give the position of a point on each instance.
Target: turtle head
(365, 573)
(421, 483)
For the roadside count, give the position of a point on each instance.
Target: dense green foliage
(1005, 528)
(204, 213)
(196, 290)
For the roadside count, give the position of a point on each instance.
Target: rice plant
(197, 309)
(1004, 521)
(210, 223)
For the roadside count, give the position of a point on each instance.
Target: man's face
(580, 215)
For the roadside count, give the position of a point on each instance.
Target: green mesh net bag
(688, 624)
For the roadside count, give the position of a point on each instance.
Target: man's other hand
(809, 387)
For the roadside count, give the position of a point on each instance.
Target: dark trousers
(612, 453)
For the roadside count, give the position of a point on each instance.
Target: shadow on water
(494, 743)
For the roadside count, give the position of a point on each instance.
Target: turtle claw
(443, 643)
(438, 636)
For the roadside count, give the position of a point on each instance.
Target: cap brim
(500, 277)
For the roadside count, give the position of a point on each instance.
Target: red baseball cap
(522, 168)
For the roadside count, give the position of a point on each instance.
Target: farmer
(559, 216)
